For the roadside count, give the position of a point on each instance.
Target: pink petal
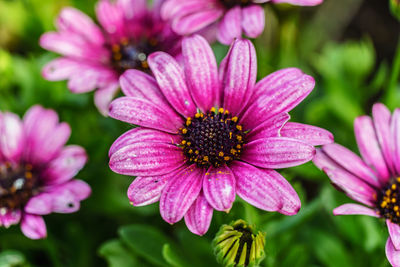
(369, 147)
(219, 188)
(145, 113)
(74, 21)
(11, 136)
(143, 135)
(382, 118)
(171, 79)
(310, 134)
(323, 161)
(354, 187)
(198, 217)
(111, 18)
(191, 23)
(394, 231)
(240, 75)
(45, 136)
(66, 165)
(277, 152)
(201, 72)
(80, 189)
(40, 204)
(392, 254)
(274, 81)
(265, 189)
(300, 2)
(269, 128)
(132, 8)
(9, 217)
(177, 8)
(103, 97)
(396, 138)
(141, 85)
(354, 209)
(180, 193)
(33, 226)
(280, 99)
(147, 190)
(147, 159)
(253, 20)
(230, 26)
(351, 162)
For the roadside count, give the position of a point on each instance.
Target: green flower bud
(395, 8)
(238, 245)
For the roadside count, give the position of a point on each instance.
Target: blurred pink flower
(232, 16)
(36, 169)
(208, 134)
(373, 180)
(94, 57)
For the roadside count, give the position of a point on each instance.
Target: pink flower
(373, 180)
(36, 169)
(208, 134)
(94, 57)
(232, 16)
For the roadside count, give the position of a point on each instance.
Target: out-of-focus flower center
(132, 55)
(212, 139)
(232, 3)
(388, 201)
(17, 185)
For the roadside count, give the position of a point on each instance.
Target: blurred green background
(349, 46)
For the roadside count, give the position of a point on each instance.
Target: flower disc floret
(388, 201)
(212, 139)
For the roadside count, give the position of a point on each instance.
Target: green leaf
(146, 241)
(117, 254)
(173, 257)
(12, 258)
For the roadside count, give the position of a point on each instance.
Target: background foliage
(349, 46)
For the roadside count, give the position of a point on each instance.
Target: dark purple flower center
(133, 55)
(212, 139)
(388, 201)
(18, 183)
(232, 3)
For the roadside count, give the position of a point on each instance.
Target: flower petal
(66, 165)
(171, 79)
(280, 99)
(74, 21)
(300, 2)
(147, 190)
(253, 20)
(369, 147)
(11, 136)
(9, 217)
(193, 22)
(396, 138)
(198, 217)
(323, 161)
(40, 204)
(33, 226)
(307, 133)
(230, 26)
(111, 18)
(177, 8)
(240, 75)
(353, 186)
(145, 113)
(394, 231)
(277, 152)
(265, 189)
(351, 162)
(382, 117)
(142, 135)
(354, 209)
(269, 128)
(103, 97)
(219, 188)
(147, 159)
(201, 72)
(392, 254)
(180, 193)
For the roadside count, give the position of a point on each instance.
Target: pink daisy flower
(95, 56)
(231, 16)
(36, 170)
(207, 134)
(373, 180)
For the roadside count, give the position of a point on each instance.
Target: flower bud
(239, 245)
